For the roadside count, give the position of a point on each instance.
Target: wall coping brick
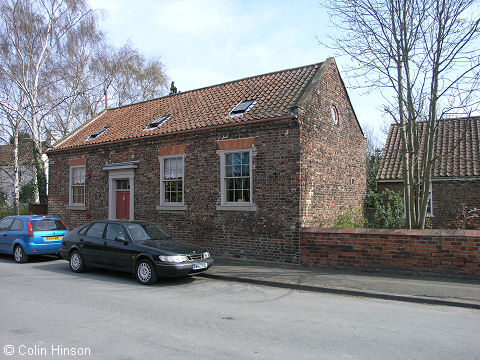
(449, 252)
(397, 232)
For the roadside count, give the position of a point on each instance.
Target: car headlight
(174, 259)
(206, 255)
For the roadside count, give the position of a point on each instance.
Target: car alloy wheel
(76, 262)
(19, 255)
(146, 273)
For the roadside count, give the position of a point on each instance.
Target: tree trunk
(16, 180)
(41, 180)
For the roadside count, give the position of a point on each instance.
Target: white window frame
(242, 206)
(169, 205)
(430, 200)
(70, 184)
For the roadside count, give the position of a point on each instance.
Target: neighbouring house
(456, 171)
(26, 170)
(238, 167)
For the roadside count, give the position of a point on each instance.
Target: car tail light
(46, 219)
(30, 229)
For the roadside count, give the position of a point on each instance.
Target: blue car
(31, 235)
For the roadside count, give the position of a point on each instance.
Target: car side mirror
(121, 239)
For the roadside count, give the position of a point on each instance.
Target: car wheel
(76, 262)
(19, 255)
(145, 272)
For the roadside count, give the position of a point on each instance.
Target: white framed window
(77, 185)
(236, 177)
(429, 204)
(335, 117)
(172, 180)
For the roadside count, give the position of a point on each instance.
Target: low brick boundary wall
(453, 252)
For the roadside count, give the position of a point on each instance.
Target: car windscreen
(47, 225)
(144, 232)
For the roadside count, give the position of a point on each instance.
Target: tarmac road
(47, 309)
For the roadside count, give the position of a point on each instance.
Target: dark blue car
(31, 235)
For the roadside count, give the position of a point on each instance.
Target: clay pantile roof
(456, 145)
(276, 95)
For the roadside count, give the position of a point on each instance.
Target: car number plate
(199, 266)
(53, 238)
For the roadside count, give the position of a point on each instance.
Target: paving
(434, 290)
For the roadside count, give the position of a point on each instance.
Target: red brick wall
(333, 172)
(449, 198)
(270, 233)
(455, 252)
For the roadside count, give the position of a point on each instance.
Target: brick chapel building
(237, 168)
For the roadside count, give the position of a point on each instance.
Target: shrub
(27, 192)
(468, 220)
(6, 210)
(389, 209)
(349, 218)
(3, 198)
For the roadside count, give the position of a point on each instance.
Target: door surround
(120, 171)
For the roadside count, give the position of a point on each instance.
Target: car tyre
(19, 255)
(76, 262)
(145, 272)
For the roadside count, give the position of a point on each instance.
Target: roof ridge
(472, 117)
(319, 64)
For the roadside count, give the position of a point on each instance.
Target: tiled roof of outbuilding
(456, 145)
(276, 94)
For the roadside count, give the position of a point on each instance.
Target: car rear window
(47, 225)
(144, 232)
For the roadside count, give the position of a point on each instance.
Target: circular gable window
(334, 115)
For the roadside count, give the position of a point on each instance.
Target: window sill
(77, 207)
(171, 207)
(237, 208)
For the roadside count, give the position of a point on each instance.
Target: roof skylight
(98, 133)
(156, 123)
(242, 108)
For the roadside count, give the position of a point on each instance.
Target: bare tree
(10, 127)
(96, 74)
(73, 78)
(128, 77)
(427, 53)
(32, 34)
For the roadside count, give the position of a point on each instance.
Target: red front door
(123, 205)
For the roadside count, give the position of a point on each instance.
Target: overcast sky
(206, 42)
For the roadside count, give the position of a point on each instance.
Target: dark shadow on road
(6, 258)
(62, 267)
